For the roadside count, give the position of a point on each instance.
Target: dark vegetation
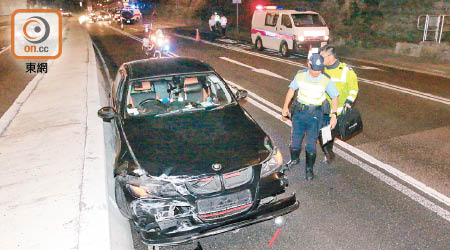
(365, 23)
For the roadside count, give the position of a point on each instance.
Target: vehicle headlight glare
(326, 38)
(275, 161)
(301, 38)
(150, 188)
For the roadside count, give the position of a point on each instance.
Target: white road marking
(377, 83)
(227, 41)
(388, 180)
(134, 29)
(367, 67)
(5, 49)
(445, 214)
(262, 71)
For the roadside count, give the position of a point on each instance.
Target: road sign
(237, 1)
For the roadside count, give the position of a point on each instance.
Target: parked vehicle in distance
(287, 30)
(190, 161)
(103, 16)
(92, 17)
(65, 13)
(130, 16)
(116, 16)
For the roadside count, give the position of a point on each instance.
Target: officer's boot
(328, 151)
(310, 160)
(295, 158)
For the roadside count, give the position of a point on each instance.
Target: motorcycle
(156, 46)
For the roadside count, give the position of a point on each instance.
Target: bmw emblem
(216, 166)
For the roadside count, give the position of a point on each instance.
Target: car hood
(190, 143)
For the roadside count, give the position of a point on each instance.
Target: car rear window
(302, 20)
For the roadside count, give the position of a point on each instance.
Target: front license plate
(225, 202)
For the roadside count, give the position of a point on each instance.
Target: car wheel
(284, 49)
(121, 201)
(258, 44)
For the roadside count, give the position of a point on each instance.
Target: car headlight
(326, 38)
(274, 162)
(301, 38)
(151, 188)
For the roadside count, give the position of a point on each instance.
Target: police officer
(223, 24)
(306, 110)
(346, 82)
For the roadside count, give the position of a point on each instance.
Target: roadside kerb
(54, 187)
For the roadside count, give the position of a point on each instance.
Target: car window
(271, 19)
(286, 21)
(307, 20)
(177, 94)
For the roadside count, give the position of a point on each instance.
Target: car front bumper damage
(173, 221)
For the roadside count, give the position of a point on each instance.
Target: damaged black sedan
(190, 161)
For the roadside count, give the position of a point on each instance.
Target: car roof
(165, 66)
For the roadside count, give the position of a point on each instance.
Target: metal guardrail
(432, 23)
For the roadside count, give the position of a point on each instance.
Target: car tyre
(258, 44)
(121, 200)
(284, 49)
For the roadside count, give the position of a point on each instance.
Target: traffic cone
(197, 37)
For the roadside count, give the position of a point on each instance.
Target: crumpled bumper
(259, 214)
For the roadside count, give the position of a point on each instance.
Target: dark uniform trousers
(306, 121)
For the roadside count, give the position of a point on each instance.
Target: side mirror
(106, 113)
(241, 94)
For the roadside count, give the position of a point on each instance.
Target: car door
(116, 99)
(270, 39)
(286, 30)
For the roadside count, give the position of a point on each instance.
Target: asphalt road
(356, 203)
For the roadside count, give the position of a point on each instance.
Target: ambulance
(287, 31)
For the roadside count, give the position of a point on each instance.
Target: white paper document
(326, 134)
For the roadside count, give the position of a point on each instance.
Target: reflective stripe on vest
(311, 92)
(343, 76)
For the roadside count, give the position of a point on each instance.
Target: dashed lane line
(376, 83)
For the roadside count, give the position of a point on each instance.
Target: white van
(288, 30)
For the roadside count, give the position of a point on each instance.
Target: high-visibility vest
(346, 83)
(311, 93)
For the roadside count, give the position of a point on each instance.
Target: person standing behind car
(223, 24)
(346, 82)
(212, 24)
(306, 110)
